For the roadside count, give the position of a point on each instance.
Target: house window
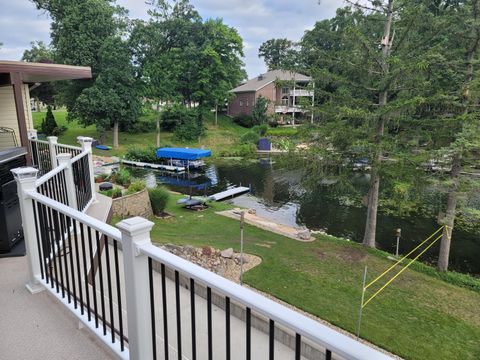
(285, 90)
(285, 100)
(241, 102)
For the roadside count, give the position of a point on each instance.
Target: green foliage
(135, 186)
(259, 111)
(260, 129)
(282, 131)
(282, 144)
(121, 176)
(142, 154)
(244, 120)
(113, 193)
(158, 198)
(176, 114)
(250, 137)
(278, 54)
(190, 128)
(241, 150)
(143, 125)
(49, 126)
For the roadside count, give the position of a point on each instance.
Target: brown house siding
(248, 99)
(269, 91)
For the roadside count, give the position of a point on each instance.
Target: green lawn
(217, 137)
(417, 317)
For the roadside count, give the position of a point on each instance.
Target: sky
(255, 20)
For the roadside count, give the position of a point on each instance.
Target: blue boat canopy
(183, 153)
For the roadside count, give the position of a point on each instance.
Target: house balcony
(132, 299)
(285, 109)
(301, 92)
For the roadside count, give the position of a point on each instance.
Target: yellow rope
(403, 258)
(403, 269)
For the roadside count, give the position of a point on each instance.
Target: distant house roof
(41, 72)
(263, 80)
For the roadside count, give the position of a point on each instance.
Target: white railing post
(135, 233)
(25, 178)
(86, 143)
(65, 158)
(32, 134)
(52, 141)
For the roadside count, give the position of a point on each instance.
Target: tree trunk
(449, 219)
(37, 100)
(158, 124)
(115, 134)
(373, 192)
(216, 115)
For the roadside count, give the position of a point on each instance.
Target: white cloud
(255, 20)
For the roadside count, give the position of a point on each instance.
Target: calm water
(278, 193)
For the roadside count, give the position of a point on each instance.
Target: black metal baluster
(100, 276)
(38, 238)
(119, 295)
(249, 333)
(53, 261)
(227, 327)
(209, 323)
(165, 314)
(179, 320)
(85, 274)
(193, 319)
(328, 354)
(109, 286)
(44, 240)
(56, 219)
(77, 258)
(72, 268)
(92, 273)
(63, 228)
(152, 308)
(271, 341)
(298, 346)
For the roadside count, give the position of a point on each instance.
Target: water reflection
(279, 193)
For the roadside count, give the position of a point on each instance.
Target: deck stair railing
(67, 170)
(143, 302)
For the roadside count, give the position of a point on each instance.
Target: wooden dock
(155, 166)
(229, 193)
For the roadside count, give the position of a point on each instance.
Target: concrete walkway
(38, 326)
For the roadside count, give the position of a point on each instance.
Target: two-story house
(284, 90)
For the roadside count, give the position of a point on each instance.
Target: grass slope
(217, 137)
(417, 317)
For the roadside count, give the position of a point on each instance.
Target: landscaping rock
(207, 251)
(304, 235)
(227, 253)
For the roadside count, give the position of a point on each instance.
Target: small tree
(259, 112)
(49, 124)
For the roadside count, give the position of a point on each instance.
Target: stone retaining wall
(137, 204)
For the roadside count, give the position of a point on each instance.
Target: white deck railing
(112, 291)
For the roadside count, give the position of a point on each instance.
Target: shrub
(49, 124)
(142, 126)
(240, 150)
(136, 186)
(174, 115)
(158, 198)
(244, 120)
(259, 112)
(283, 131)
(113, 193)
(121, 176)
(260, 129)
(142, 154)
(250, 137)
(189, 129)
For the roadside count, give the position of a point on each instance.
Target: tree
(40, 53)
(278, 54)
(113, 101)
(259, 111)
(49, 124)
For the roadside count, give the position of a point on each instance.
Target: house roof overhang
(40, 72)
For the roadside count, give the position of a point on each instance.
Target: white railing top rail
(68, 146)
(39, 141)
(79, 156)
(103, 228)
(43, 179)
(321, 334)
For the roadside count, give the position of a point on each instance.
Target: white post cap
(24, 173)
(32, 134)
(52, 139)
(63, 157)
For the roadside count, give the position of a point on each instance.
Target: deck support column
(17, 83)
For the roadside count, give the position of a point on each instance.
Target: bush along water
(158, 198)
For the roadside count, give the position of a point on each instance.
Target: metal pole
(242, 218)
(399, 234)
(361, 303)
